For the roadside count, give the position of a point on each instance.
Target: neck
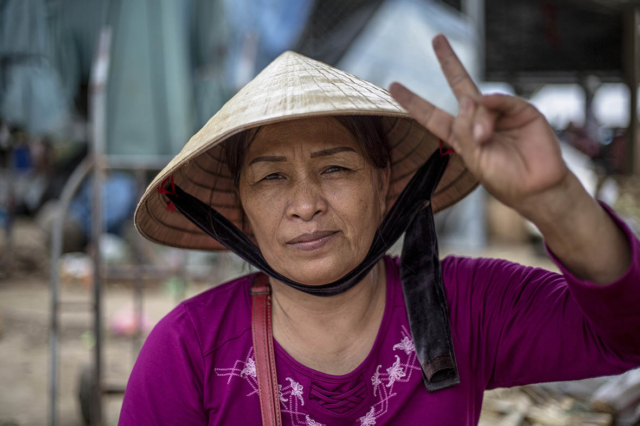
(330, 334)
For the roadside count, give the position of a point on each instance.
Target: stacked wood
(620, 395)
(533, 405)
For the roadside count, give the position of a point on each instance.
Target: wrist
(551, 207)
(579, 232)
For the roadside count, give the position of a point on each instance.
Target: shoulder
(467, 269)
(471, 283)
(460, 268)
(214, 316)
(467, 276)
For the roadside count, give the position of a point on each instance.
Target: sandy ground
(24, 349)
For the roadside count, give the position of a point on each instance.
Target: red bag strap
(263, 349)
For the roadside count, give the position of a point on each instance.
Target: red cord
(162, 190)
(447, 152)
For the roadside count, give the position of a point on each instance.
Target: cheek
(264, 213)
(355, 204)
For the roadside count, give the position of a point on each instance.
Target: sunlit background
(96, 96)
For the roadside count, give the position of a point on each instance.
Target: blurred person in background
(310, 174)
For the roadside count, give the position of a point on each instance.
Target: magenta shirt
(511, 325)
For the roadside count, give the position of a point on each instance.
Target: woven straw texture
(292, 86)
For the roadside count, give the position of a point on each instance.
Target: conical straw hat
(291, 87)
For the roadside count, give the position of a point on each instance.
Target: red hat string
(162, 190)
(447, 152)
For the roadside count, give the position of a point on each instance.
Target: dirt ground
(24, 349)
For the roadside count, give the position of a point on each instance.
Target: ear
(384, 177)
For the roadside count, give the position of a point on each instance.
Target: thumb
(513, 112)
(505, 104)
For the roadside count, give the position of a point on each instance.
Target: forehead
(308, 133)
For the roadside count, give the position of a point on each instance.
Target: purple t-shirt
(511, 325)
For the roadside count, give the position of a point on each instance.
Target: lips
(313, 236)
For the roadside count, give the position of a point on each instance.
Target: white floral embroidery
(292, 406)
(395, 372)
(296, 389)
(384, 383)
(246, 370)
(282, 398)
(368, 419)
(243, 370)
(375, 380)
(249, 368)
(311, 422)
(405, 345)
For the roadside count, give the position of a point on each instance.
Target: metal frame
(96, 164)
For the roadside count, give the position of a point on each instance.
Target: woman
(323, 172)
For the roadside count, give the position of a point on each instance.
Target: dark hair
(368, 131)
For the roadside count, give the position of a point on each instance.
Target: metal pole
(631, 71)
(138, 285)
(10, 208)
(100, 71)
(474, 9)
(70, 188)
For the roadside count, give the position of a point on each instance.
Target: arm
(512, 150)
(527, 325)
(166, 384)
(580, 233)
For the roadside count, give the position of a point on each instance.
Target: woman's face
(313, 200)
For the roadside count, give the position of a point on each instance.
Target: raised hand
(510, 147)
(505, 142)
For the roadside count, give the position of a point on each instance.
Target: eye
(333, 169)
(273, 176)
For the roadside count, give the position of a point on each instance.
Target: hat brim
(200, 168)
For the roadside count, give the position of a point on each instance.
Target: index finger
(431, 117)
(453, 70)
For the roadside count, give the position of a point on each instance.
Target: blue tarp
(31, 95)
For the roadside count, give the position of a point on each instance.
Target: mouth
(313, 240)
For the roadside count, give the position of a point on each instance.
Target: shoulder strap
(263, 349)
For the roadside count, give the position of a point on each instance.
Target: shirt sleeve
(528, 325)
(166, 384)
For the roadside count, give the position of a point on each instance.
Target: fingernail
(477, 131)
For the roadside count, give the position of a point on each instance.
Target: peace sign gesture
(505, 142)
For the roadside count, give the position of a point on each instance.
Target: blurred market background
(96, 96)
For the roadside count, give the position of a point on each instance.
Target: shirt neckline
(392, 278)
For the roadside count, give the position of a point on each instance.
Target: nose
(306, 201)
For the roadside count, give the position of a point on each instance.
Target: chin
(319, 271)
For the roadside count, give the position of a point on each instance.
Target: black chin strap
(420, 268)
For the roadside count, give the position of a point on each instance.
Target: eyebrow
(316, 154)
(331, 151)
(268, 158)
